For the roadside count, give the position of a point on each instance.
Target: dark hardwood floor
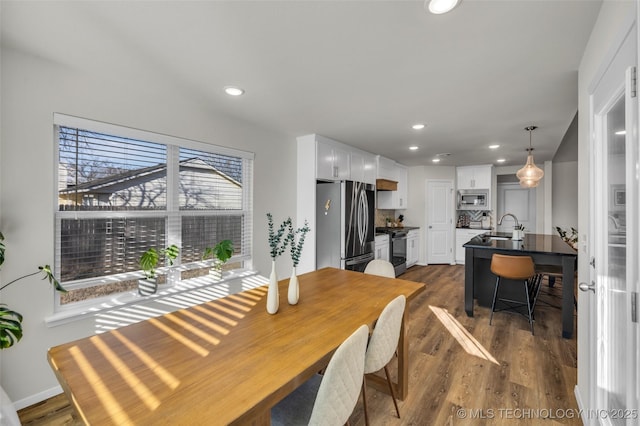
(462, 371)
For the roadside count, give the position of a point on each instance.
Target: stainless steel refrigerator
(345, 224)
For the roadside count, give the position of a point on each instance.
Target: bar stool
(516, 268)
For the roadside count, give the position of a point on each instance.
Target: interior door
(614, 216)
(439, 221)
(520, 202)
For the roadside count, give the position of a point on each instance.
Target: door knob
(587, 287)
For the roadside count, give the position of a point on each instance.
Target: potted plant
(11, 321)
(149, 262)
(11, 331)
(278, 241)
(222, 253)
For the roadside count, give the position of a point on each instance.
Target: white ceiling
(360, 72)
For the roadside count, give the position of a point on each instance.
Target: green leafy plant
(296, 246)
(278, 240)
(222, 252)
(11, 321)
(150, 258)
(571, 239)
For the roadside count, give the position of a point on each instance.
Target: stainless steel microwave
(473, 199)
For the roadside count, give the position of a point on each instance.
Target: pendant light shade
(530, 174)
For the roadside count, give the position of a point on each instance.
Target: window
(122, 191)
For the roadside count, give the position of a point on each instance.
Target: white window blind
(119, 195)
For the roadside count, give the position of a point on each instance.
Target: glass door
(615, 226)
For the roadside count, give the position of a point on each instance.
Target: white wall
(565, 195)
(613, 15)
(33, 88)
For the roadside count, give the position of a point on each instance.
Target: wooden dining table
(225, 361)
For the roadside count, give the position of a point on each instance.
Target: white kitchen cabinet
(386, 168)
(413, 247)
(363, 167)
(462, 237)
(382, 247)
(474, 177)
(393, 200)
(332, 161)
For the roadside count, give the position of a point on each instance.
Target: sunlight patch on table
(143, 392)
(180, 337)
(464, 338)
(103, 393)
(162, 373)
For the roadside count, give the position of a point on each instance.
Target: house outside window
(122, 191)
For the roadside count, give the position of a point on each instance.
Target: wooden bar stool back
(520, 268)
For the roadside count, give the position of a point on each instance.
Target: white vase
(273, 298)
(294, 288)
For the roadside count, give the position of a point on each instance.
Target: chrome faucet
(514, 218)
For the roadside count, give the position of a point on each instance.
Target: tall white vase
(273, 298)
(294, 288)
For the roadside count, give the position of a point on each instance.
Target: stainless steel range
(397, 248)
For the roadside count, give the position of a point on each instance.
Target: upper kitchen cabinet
(363, 167)
(332, 161)
(389, 170)
(474, 177)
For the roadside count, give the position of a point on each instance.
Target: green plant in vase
(149, 262)
(278, 241)
(222, 253)
(296, 251)
(11, 321)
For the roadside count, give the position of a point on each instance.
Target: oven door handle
(359, 259)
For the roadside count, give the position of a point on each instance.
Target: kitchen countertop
(545, 250)
(474, 229)
(532, 243)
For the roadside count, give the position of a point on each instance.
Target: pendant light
(530, 174)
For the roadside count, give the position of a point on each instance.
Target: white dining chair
(380, 267)
(382, 345)
(328, 399)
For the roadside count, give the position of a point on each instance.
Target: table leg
(468, 281)
(568, 284)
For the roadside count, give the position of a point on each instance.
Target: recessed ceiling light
(233, 91)
(418, 126)
(413, 148)
(501, 160)
(495, 146)
(436, 160)
(438, 7)
(621, 132)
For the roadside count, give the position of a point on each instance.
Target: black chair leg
(495, 296)
(526, 291)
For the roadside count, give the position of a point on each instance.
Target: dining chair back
(382, 346)
(328, 399)
(380, 267)
(519, 268)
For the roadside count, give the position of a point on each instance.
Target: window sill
(169, 298)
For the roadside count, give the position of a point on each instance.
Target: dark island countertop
(532, 243)
(545, 250)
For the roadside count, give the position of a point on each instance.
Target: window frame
(172, 212)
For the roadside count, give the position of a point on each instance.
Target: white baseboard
(40, 396)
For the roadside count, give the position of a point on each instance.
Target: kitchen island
(479, 282)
